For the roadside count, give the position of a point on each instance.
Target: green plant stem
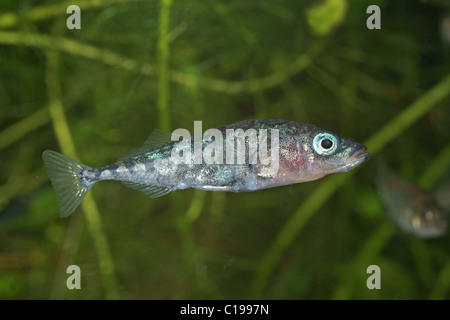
(193, 254)
(12, 19)
(67, 146)
(441, 284)
(189, 80)
(16, 131)
(436, 169)
(163, 64)
(197, 203)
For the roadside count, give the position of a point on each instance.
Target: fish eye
(325, 143)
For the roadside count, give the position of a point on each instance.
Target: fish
(442, 195)
(298, 152)
(445, 28)
(414, 210)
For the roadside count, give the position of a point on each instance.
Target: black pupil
(326, 143)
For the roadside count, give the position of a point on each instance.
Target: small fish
(442, 195)
(445, 28)
(304, 153)
(414, 210)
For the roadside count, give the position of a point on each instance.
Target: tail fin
(65, 175)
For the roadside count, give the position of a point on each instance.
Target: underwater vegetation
(94, 93)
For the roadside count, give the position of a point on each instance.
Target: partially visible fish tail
(65, 175)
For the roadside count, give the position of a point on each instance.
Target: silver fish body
(304, 153)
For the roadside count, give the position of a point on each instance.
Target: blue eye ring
(325, 143)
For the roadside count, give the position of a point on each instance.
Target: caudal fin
(65, 175)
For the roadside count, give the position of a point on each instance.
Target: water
(219, 62)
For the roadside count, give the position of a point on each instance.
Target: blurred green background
(134, 66)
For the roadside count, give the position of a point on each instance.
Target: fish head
(428, 219)
(318, 152)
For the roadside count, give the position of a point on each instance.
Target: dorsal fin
(157, 139)
(150, 190)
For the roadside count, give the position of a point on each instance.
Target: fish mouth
(356, 158)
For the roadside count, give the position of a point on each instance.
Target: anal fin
(150, 190)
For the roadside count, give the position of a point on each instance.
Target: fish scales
(298, 152)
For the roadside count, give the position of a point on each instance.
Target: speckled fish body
(413, 209)
(305, 153)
